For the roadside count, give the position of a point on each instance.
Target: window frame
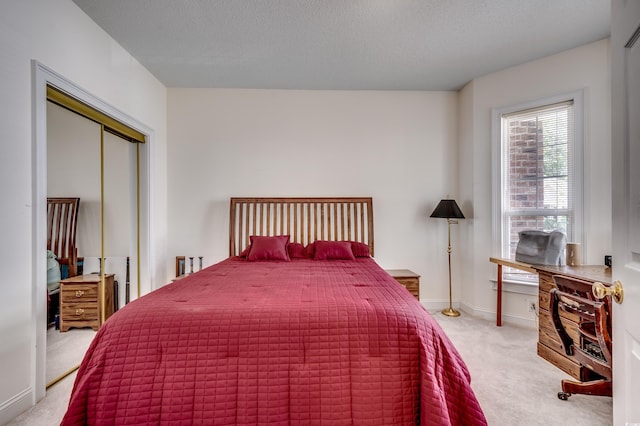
(577, 227)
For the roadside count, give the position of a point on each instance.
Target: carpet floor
(513, 384)
(66, 350)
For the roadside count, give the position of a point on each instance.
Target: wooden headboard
(304, 219)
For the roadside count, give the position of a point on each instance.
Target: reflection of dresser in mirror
(100, 168)
(81, 303)
(550, 346)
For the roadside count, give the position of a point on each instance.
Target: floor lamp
(448, 209)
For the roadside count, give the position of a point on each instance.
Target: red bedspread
(300, 342)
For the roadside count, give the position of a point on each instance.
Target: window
(539, 146)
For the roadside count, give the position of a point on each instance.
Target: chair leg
(595, 387)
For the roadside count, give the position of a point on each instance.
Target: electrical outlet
(531, 304)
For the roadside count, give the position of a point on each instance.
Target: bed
(312, 333)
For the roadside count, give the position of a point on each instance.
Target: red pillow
(310, 250)
(245, 252)
(333, 250)
(360, 249)
(296, 251)
(268, 248)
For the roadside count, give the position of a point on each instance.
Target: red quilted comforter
(301, 342)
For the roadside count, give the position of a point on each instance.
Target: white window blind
(537, 182)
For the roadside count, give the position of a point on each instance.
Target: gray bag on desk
(541, 248)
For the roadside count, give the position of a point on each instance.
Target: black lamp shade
(448, 209)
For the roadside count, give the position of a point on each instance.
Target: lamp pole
(450, 311)
(448, 209)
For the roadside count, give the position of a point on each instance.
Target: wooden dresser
(549, 346)
(80, 301)
(409, 279)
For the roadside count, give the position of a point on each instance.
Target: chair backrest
(574, 297)
(62, 221)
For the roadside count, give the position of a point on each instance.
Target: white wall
(406, 149)
(398, 147)
(60, 36)
(584, 68)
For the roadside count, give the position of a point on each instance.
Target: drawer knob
(79, 293)
(79, 311)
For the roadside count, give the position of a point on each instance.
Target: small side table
(81, 301)
(409, 279)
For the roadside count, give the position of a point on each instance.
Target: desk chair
(592, 349)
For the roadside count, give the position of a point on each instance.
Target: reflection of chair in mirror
(590, 345)
(62, 221)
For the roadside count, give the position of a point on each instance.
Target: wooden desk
(549, 345)
(511, 264)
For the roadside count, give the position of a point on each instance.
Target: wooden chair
(591, 344)
(62, 221)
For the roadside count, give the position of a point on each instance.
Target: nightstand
(80, 301)
(409, 279)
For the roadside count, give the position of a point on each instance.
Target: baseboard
(15, 406)
(433, 306)
(506, 318)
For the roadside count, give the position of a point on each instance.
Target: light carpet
(66, 350)
(513, 384)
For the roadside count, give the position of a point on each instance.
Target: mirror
(102, 170)
(120, 224)
(73, 170)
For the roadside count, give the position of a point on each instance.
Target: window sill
(513, 286)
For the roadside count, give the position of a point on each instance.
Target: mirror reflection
(100, 170)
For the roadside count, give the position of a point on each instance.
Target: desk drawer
(546, 328)
(565, 364)
(546, 283)
(543, 304)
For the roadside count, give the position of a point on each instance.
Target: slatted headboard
(304, 219)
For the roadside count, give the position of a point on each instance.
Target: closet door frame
(43, 76)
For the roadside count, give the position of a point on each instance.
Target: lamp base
(450, 312)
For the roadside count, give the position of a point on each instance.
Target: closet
(97, 159)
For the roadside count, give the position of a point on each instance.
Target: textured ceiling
(343, 44)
